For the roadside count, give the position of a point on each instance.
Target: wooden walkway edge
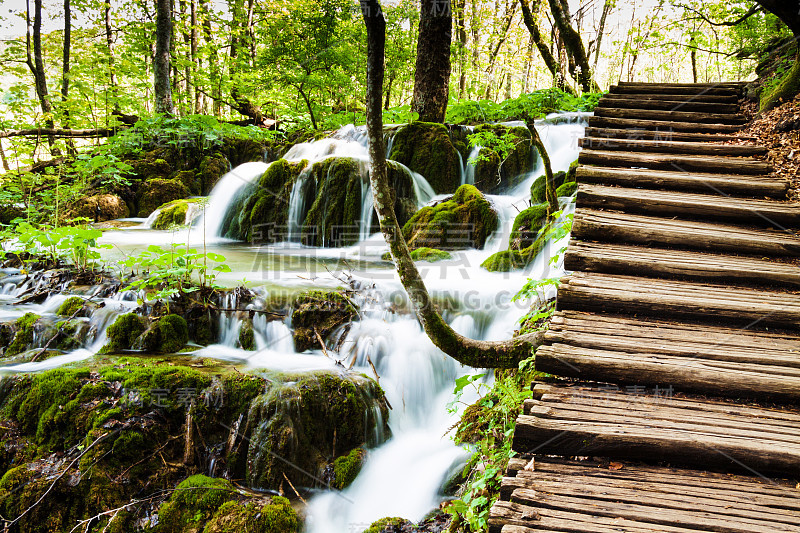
(681, 310)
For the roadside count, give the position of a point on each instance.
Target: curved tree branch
(502, 354)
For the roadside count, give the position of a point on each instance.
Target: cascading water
(468, 166)
(404, 475)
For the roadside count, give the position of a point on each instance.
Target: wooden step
(672, 90)
(666, 263)
(708, 84)
(707, 98)
(592, 421)
(718, 238)
(661, 125)
(678, 116)
(668, 104)
(729, 184)
(672, 147)
(679, 299)
(683, 339)
(751, 211)
(712, 164)
(654, 135)
(550, 494)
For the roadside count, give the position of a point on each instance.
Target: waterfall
(367, 208)
(468, 168)
(297, 206)
(225, 191)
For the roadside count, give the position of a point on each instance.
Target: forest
(278, 266)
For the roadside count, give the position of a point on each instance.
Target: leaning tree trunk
(36, 65)
(573, 44)
(503, 354)
(432, 74)
(529, 17)
(162, 86)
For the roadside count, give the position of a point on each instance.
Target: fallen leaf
(615, 466)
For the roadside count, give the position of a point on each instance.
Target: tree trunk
(573, 44)
(432, 74)
(36, 65)
(198, 100)
(529, 17)
(786, 11)
(213, 64)
(693, 55)
(112, 73)
(607, 6)
(504, 354)
(459, 10)
(65, 71)
(162, 86)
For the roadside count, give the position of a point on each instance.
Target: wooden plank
(668, 104)
(664, 126)
(700, 519)
(686, 373)
(710, 164)
(672, 147)
(737, 85)
(711, 98)
(695, 266)
(651, 297)
(637, 229)
(677, 116)
(596, 439)
(667, 90)
(768, 213)
(775, 493)
(685, 181)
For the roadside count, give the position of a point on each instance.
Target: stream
(404, 475)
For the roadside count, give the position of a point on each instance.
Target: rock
(72, 305)
(245, 150)
(99, 208)
(23, 329)
(464, 220)
(9, 213)
(158, 191)
(124, 332)
(426, 148)
(247, 336)
(567, 189)
(431, 255)
(146, 168)
(190, 179)
(307, 418)
(211, 169)
(346, 468)
(390, 525)
(178, 213)
(213, 505)
(263, 206)
(491, 176)
(527, 225)
(538, 192)
(514, 259)
(169, 334)
(320, 312)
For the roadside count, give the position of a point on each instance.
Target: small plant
(75, 244)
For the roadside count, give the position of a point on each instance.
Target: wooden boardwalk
(681, 311)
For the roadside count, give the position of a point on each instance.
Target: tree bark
(607, 7)
(573, 45)
(504, 354)
(112, 73)
(213, 64)
(36, 65)
(460, 7)
(162, 86)
(65, 71)
(785, 10)
(432, 74)
(529, 17)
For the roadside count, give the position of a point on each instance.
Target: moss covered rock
(306, 419)
(247, 336)
(23, 334)
(389, 525)
(177, 213)
(515, 259)
(319, 312)
(538, 191)
(492, 175)
(211, 169)
(346, 468)
(567, 189)
(431, 255)
(526, 226)
(464, 220)
(426, 148)
(72, 305)
(9, 213)
(265, 204)
(157, 191)
(124, 332)
(275, 517)
(150, 166)
(99, 208)
(168, 334)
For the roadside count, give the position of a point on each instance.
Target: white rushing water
(404, 475)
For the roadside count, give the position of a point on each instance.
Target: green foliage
(77, 244)
(106, 168)
(488, 428)
(171, 271)
(528, 106)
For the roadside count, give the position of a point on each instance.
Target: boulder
(426, 148)
(158, 191)
(526, 226)
(305, 419)
(319, 312)
(492, 176)
(178, 213)
(465, 220)
(99, 208)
